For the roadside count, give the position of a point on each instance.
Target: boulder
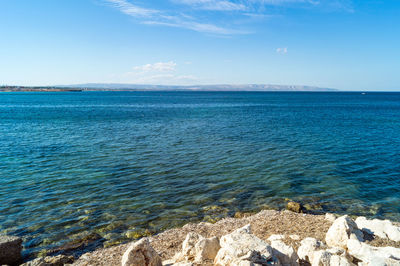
(326, 258)
(284, 253)
(307, 248)
(294, 206)
(141, 253)
(188, 247)
(172, 262)
(206, 249)
(242, 248)
(276, 237)
(59, 260)
(196, 249)
(381, 228)
(330, 217)
(343, 229)
(10, 250)
(313, 252)
(370, 255)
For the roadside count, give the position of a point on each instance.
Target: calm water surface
(117, 163)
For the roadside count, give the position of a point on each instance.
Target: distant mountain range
(217, 87)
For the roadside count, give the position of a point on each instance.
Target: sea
(122, 165)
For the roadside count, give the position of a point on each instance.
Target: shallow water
(116, 163)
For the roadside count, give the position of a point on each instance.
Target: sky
(342, 44)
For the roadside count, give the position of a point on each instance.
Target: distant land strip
(143, 87)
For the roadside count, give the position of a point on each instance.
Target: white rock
(325, 258)
(307, 248)
(242, 248)
(188, 246)
(141, 253)
(174, 263)
(311, 250)
(276, 237)
(196, 249)
(330, 217)
(294, 237)
(206, 249)
(370, 255)
(382, 228)
(342, 229)
(286, 255)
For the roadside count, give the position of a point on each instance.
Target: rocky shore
(267, 238)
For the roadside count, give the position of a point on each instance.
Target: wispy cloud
(131, 9)
(160, 66)
(196, 26)
(282, 50)
(165, 18)
(195, 17)
(155, 73)
(217, 5)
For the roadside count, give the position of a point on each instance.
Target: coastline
(264, 224)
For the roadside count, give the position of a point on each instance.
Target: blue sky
(343, 44)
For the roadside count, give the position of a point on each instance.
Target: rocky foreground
(267, 238)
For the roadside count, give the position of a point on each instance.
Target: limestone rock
(307, 248)
(141, 253)
(207, 249)
(10, 250)
(294, 206)
(59, 260)
(382, 228)
(343, 229)
(276, 237)
(242, 248)
(330, 217)
(188, 246)
(370, 255)
(326, 258)
(284, 253)
(172, 262)
(312, 251)
(196, 249)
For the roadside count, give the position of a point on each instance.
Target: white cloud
(158, 67)
(196, 26)
(217, 5)
(174, 16)
(132, 10)
(158, 17)
(282, 50)
(157, 73)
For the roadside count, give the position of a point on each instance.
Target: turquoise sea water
(117, 163)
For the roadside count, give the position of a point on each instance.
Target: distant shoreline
(141, 87)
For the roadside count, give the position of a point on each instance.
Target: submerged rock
(141, 253)
(59, 260)
(294, 207)
(10, 250)
(80, 245)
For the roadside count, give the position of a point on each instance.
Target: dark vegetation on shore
(33, 89)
